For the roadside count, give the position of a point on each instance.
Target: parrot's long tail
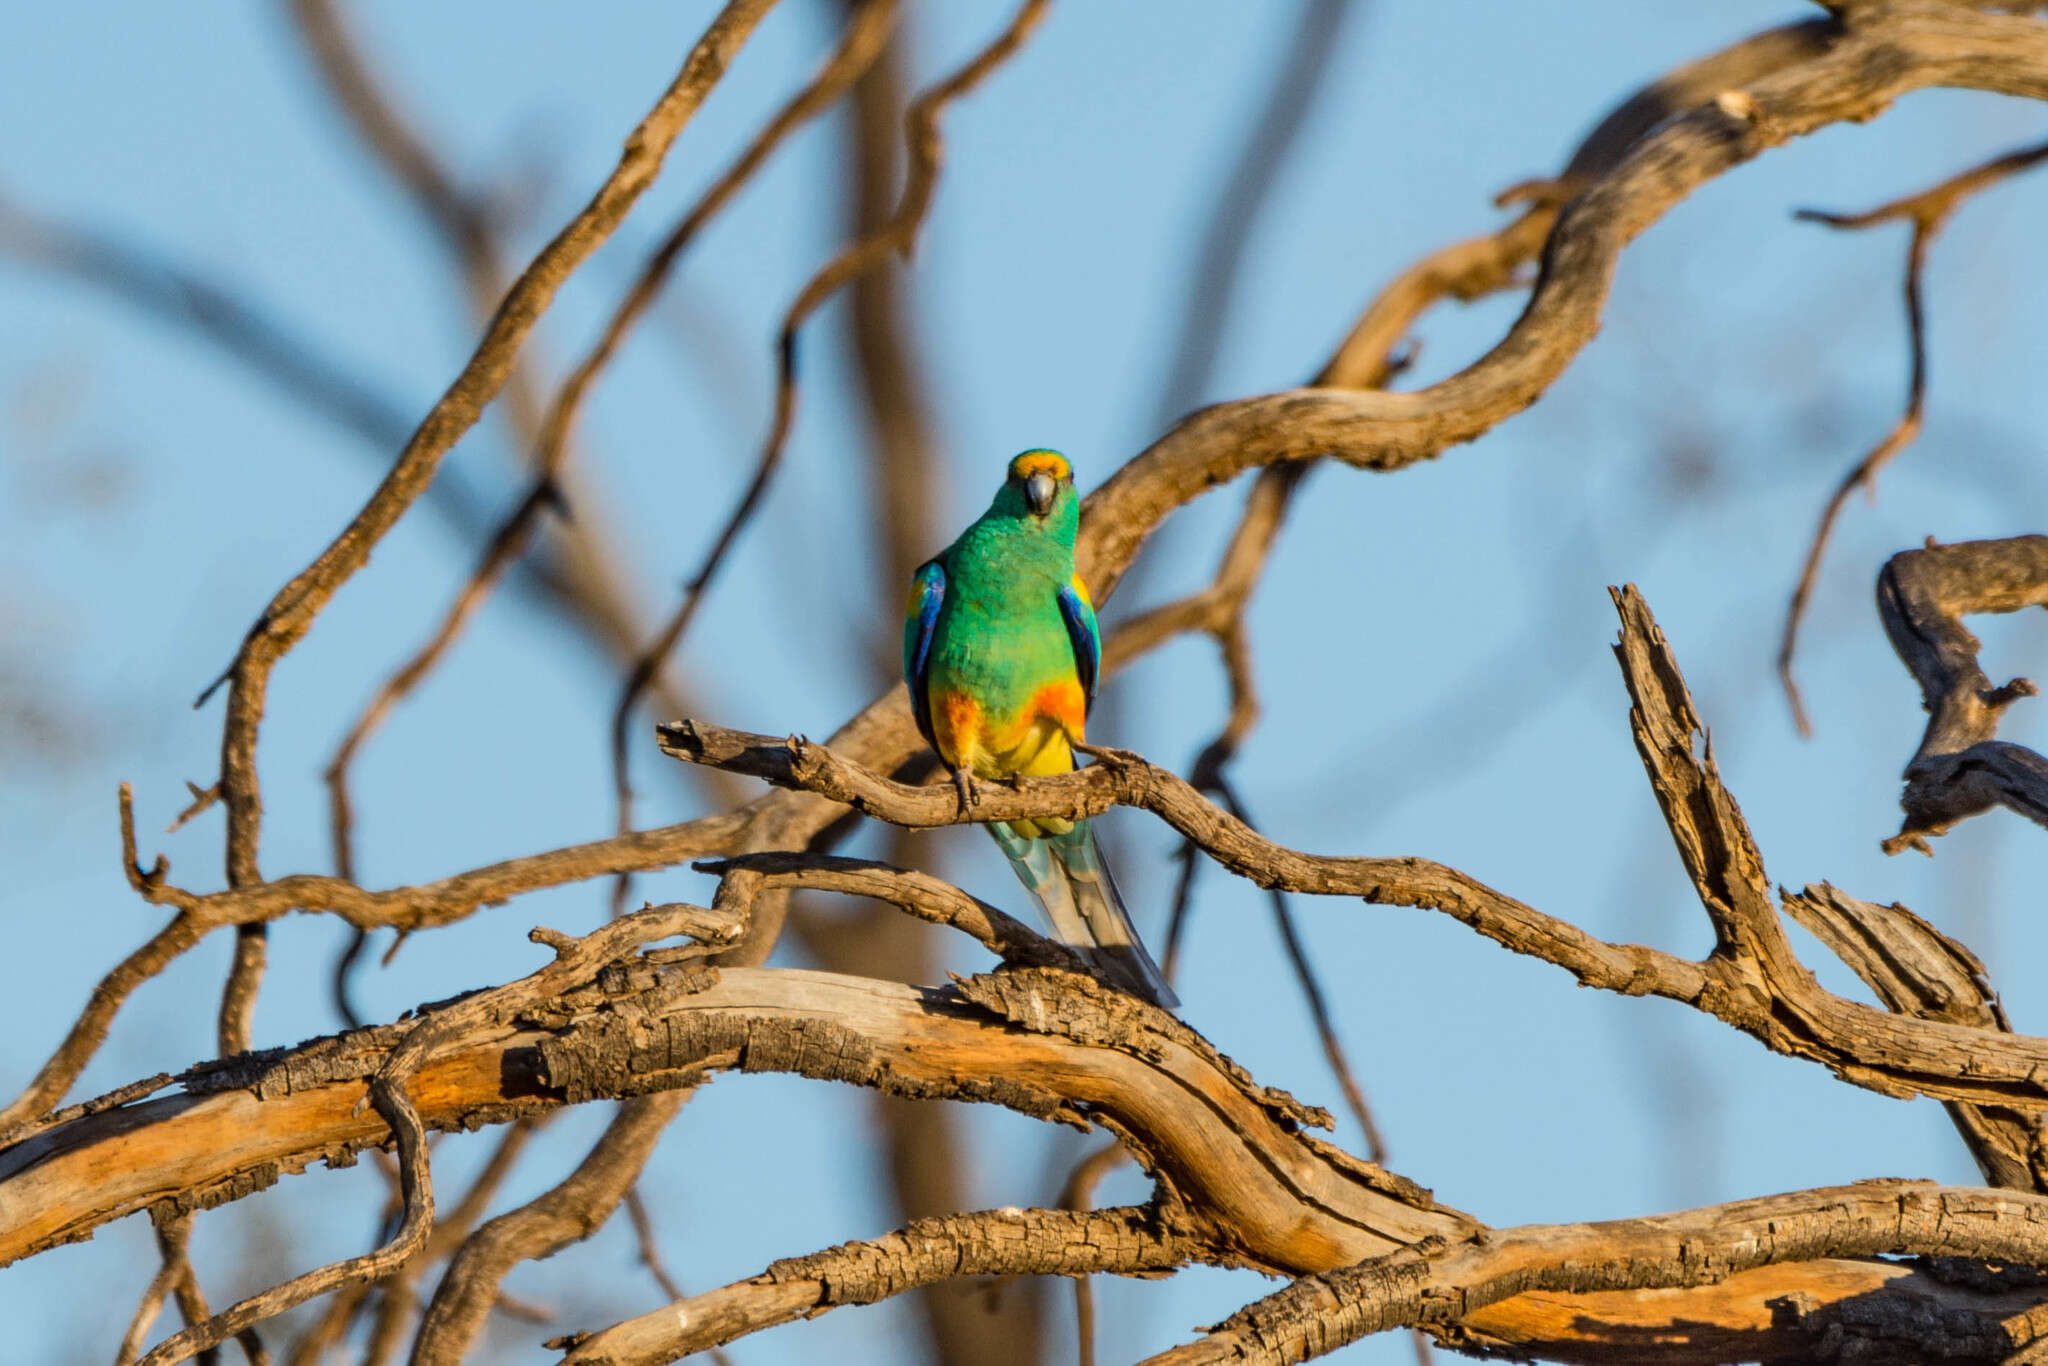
(1073, 886)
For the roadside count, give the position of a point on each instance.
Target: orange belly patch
(956, 725)
(1034, 741)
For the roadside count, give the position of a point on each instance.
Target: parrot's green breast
(1001, 636)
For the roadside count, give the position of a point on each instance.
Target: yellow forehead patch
(1041, 462)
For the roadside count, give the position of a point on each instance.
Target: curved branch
(1046, 1043)
(1008, 1242)
(567, 1212)
(1753, 980)
(1443, 1283)
(416, 1182)
(290, 613)
(1961, 768)
(1242, 1179)
(1927, 211)
(1887, 49)
(1915, 969)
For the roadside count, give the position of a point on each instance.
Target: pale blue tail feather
(1072, 885)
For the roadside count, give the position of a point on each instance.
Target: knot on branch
(1999, 698)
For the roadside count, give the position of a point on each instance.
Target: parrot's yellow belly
(1034, 742)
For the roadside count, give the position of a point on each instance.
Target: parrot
(1001, 651)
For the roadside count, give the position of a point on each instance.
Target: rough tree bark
(659, 1001)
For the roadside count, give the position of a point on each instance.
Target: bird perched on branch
(1001, 651)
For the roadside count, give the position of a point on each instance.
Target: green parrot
(1001, 651)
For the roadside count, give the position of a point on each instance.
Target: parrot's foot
(963, 783)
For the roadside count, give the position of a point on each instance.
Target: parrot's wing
(920, 623)
(1079, 614)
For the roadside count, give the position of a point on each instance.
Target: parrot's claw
(963, 783)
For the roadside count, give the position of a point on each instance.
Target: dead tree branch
(290, 613)
(1442, 1283)
(568, 1212)
(417, 1186)
(1129, 1241)
(1917, 970)
(1927, 211)
(1961, 767)
(1752, 980)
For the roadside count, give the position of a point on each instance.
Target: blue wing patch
(920, 623)
(1086, 636)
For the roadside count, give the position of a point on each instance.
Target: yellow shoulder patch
(1081, 592)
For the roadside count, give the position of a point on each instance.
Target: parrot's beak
(1039, 490)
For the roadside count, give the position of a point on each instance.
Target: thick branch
(1443, 1283)
(1231, 1156)
(1049, 1044)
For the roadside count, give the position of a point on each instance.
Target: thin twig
(1078, 1195)
(291, 611)
(1312, 993)
(171, 1237)
(650, 1248)
(1928, 211)
(864, 37)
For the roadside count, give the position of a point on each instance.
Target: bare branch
(1231, 1157)
(1753, 980)
(405, 908)
(1890, 49)
(1927, 211)
(919, 894)
(1036, 1040)
(1917, 970)
(417, 1184)
(1129, 1241)
(290, 614)
(1444, 1282)
(568, 1212)
(1961, 767)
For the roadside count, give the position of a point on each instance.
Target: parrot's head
(1040, 488)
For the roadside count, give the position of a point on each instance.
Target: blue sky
(1432, 645)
